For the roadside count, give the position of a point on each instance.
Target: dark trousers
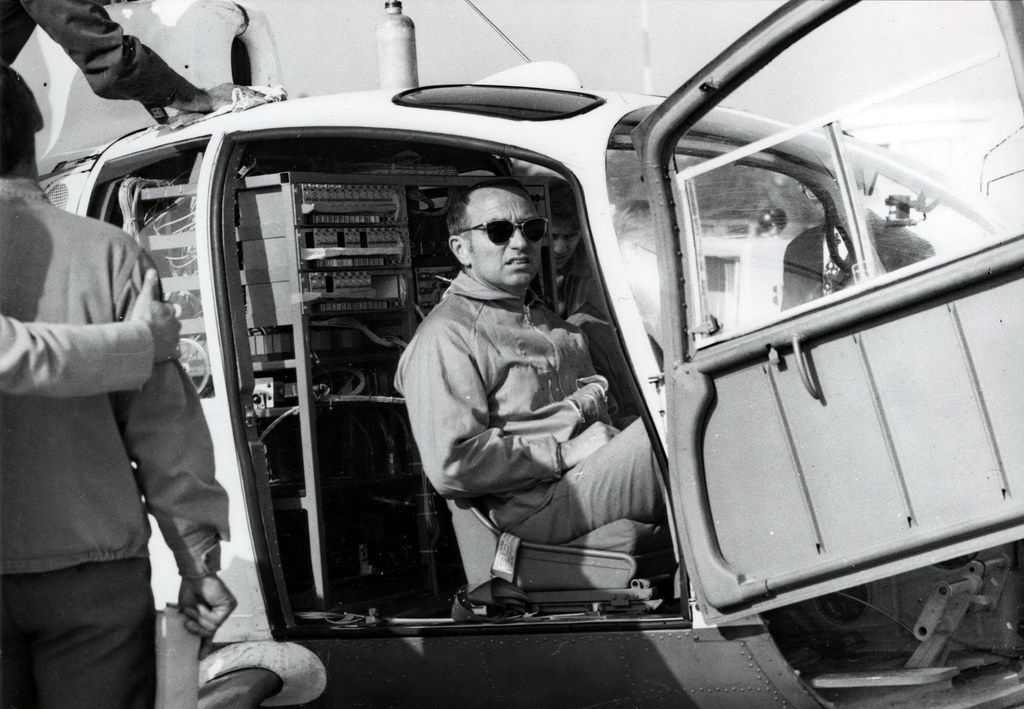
(79, 638)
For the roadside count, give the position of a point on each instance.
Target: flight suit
(493, 387)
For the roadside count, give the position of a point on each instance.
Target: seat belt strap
(504, 566)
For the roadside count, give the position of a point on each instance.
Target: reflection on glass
(759, 232)
(898, 166)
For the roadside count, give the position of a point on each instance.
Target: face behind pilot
(565, 237)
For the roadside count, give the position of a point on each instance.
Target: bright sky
(635, 46)
(601, 39)
(328, 46)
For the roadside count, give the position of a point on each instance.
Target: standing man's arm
(73, 360)
(166, 436)
(81, 360)
(116, 65)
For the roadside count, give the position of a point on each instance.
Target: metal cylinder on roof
(396, 49)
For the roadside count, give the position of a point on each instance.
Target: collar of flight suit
(468, 286)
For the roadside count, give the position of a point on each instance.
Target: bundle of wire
(384, 341)
(128, 196)
(159, 220)
(350, 382)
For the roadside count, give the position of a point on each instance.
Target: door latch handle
(804, 369)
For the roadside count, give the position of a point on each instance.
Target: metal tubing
(863, 268)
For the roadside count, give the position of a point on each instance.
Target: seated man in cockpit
(503, 399)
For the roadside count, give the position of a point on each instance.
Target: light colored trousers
(617, 481)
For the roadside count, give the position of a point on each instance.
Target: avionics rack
(333, 269)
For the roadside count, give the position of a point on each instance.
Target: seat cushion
(625, 535)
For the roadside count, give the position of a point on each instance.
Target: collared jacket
(116, 65)
(79, 474)
(493, 386)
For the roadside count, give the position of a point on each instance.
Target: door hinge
(658, 380)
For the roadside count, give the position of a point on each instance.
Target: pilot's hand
(591, 399)
(159, 316)
(576, 450)
(206, 603)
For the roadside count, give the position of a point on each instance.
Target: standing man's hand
(159, 316)
(206, 603)
(209, 100)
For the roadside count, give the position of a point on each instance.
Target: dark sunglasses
(500, 231)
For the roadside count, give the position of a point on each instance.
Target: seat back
(477, 543)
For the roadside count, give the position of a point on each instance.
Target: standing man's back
(57, 267)
(80, 474)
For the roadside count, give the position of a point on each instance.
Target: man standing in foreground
(502, 396)
(75, 600)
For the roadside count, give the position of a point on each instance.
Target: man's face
(565, 236)
(509, 266)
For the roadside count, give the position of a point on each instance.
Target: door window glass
(753, 221)
(884, 143)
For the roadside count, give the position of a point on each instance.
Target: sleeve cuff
(184, 92)
(547, 452)
(140, 340)
(581, 418)
(590, 399)
(199, 559)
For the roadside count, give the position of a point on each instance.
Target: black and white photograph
(570, 354)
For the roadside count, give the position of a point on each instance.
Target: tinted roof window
(512, 102)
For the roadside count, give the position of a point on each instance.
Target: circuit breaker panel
(327, 281)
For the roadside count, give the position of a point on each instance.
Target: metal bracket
(942, 614)
(709, 327)
(658, 380)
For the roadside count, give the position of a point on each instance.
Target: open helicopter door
(858, 413)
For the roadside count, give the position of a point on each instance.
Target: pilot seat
(617, 567)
